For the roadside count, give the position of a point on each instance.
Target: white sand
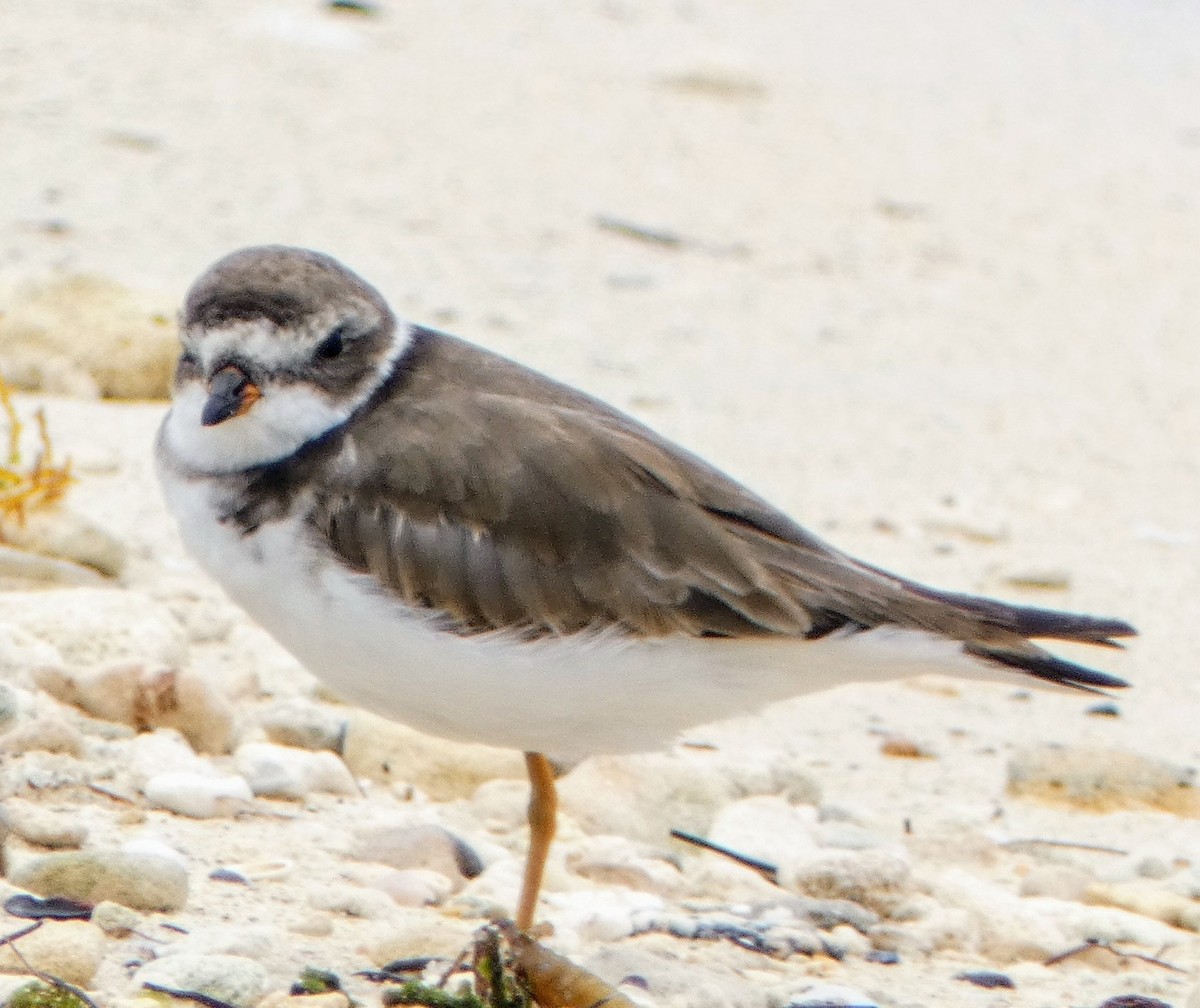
(939, 265)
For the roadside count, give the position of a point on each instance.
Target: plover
(462, 544)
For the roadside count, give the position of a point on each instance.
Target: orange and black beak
(230, 394)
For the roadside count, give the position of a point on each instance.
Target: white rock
(147, 697)
(616, 861)
(45, 827)
(94, 626)
(417, 845)
(21, 652)
(50, 734)
(252, 941)
(597, 915)
(149, 754)
(767, 828)
(878, 880)
(60, 533)
(411, 887)
(369, 904)
(234, 979)
(141, 881)
(70, 950)
(196, 795)
(303, 724)
(275, 771)
(828, 995)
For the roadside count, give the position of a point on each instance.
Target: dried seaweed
(25, 488)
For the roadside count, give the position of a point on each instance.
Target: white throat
(283, 420)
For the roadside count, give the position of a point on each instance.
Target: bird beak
(230, 394)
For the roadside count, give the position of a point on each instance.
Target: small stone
(828, 995)
(1149, 901)
(410, 934)
(198, 796)
(616, 861)
(275, 771)
(115, 920)
(21, 652)
(903, 747)
(767, 828)
(1056, 881)
(235, 980)
(303, 725)
(45, 827)
(136, 880)
(1103, 780)
(1134, 1001)
(148, 697)
(46, 734)
(98, 626)
(382, 750)
(874, 879)
(989, 979)
(22, 571)
(70, 950)
(411, 887)
(314, 925)
(325, 999)
(10, 706)
(368, 904)
(420, 845)
(60, 533)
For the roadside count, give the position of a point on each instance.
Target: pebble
(829, 995)
(45, 827)
(382, 750)
(410, 887)
(95, 626)
(10, 706)
(1148, 901)
(877, 880)
(989, 979)
(22, 571)
(327, 999)
(1103, 780)
(367, 904)
(417, 845)
(139, 880)
(70, 950)
(235, 980)
(314, 925)
(115, 920)
(21, 651)
(767, 828)
(62, 534)
(198, 796)
(48, 734)
(617, 861)
(147, 697)
(303, 724)
(412, 934)
(163, 751)
(276, 771)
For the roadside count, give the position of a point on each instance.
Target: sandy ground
(936, 273)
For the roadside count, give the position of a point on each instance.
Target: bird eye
(332, 345)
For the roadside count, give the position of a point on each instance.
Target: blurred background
(923, 274)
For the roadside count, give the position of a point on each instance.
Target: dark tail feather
(1068, 626)
(1044, 665)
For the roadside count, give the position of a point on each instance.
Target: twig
(764, 868)
(50, 978)
(198, 996)
(629, 229)
(20, 933)
(1092, 943)
(1073, 844)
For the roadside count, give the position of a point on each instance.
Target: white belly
(567, 697)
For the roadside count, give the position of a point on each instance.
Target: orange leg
(543, 812)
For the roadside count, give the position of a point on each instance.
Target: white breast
(567, 697)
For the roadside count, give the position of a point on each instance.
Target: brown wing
(522, 506)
